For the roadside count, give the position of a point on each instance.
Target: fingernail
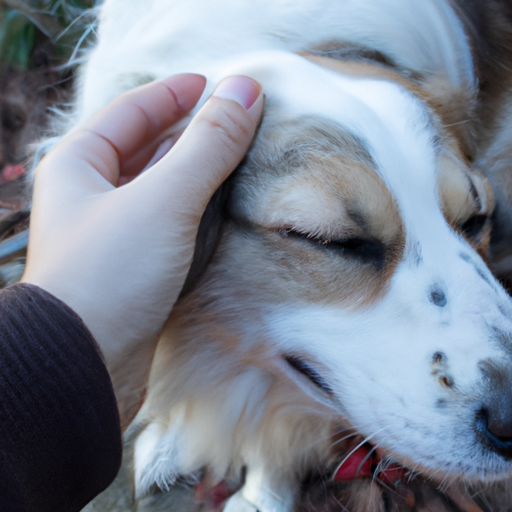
(241, 89)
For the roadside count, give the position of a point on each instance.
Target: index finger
(136, 119)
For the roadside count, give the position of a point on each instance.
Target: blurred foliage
(62, 26)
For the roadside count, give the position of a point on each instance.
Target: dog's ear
(208, 236)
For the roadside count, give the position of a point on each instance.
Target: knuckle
(232, 131)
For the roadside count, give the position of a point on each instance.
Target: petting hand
(119, 255)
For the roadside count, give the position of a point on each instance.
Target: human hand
(119, 255)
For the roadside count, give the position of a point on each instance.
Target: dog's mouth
(363, 460)
(358, 459)
(401, 488)
(367, 461)
(306, 369)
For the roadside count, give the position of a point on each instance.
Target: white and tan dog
(339, 280)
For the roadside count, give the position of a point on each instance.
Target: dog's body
(340, 289)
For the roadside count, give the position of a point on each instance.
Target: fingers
(211, 147)
(132, 123)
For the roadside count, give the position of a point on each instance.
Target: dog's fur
(489, 26)
(343, 286)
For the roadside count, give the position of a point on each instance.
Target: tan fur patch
(453, 106)
(304, 175)
(467, 201)
(464, 193)
(495, 161)
(365, 69)
(306, 193)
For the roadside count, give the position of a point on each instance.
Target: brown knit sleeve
(60, 439)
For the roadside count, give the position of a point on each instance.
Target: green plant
(63, 26)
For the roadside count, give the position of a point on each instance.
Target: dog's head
(351, 259)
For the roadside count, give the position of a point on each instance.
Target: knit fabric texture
(60, 437)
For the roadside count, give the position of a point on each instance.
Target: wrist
(127, 359)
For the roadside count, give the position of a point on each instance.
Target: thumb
(210, 148)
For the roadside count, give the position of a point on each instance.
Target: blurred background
(41, 42)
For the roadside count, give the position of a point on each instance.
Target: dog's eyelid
(482, 193)
(473, 226)
(475, 195)
(342, 231)
(348, 236)
(361, 248)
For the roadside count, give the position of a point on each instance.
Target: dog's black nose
(494, 425)
(493, 420)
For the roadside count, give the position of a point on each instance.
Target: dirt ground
(26, 98)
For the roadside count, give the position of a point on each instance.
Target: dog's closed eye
(364, 250)
(473, 226)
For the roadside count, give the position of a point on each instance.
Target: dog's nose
(494, 417)
(494, 424)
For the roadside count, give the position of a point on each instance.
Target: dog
(339, 297)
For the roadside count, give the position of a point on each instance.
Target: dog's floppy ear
(208, 236)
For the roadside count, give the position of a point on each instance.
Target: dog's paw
(247, 501)
(237, 503)
(267, 491)
(158, 458)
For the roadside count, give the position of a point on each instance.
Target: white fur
(153, 39)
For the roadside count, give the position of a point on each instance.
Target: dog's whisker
(443, 484)
(412, 472)
(344, 438)
(338, 429)
(72, 59)
(432, 478)
(345, 509)
(465, 121)
(363, 442)
(366, 457)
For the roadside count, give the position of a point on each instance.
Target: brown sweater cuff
(60, 439)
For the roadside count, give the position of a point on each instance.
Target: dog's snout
(495, 429)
